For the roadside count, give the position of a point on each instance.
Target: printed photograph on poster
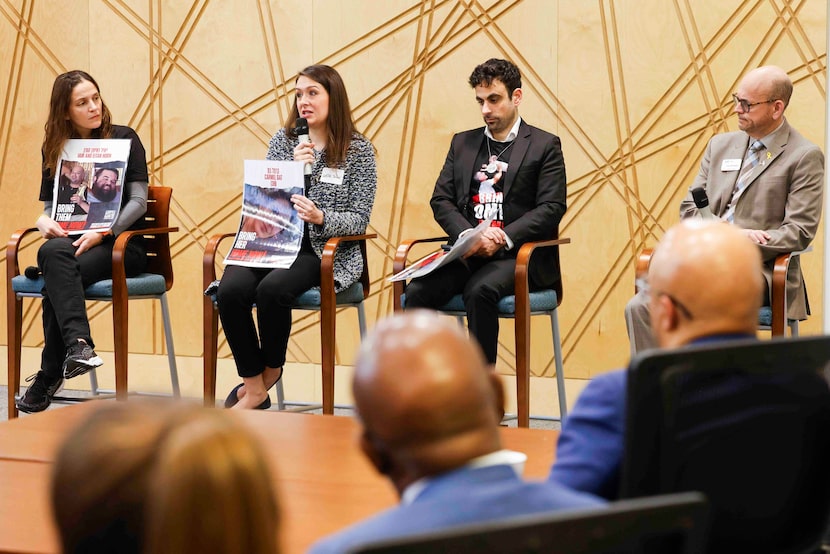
(270, 229)
(89, 184)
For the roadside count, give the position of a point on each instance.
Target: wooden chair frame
(522, 317)
(327, 308)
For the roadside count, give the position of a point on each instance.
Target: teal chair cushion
(765, 316)
(540, 301)
(310, 298)
(141, 284)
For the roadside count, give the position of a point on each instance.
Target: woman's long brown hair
(340, 123)
(59, 128)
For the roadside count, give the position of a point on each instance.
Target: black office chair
(669, 524)
(745, 422)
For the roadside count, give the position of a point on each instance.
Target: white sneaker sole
(80, 367)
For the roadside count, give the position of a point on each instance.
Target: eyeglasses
(643, 286)
(746, 104)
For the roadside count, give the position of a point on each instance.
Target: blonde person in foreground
(159, 478)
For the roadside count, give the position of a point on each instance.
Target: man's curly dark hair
(494, 68)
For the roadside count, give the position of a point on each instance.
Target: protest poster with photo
(89, 183)
(270, 230)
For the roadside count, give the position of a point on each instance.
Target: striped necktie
(750, 162)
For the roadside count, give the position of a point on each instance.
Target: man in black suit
(511, 170)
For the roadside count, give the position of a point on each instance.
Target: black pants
(482, 282)
(66, 277)
(273, 291)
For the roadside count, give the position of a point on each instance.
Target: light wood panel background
(633, 87)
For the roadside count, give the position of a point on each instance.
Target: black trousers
(482, 282)
(66, 276)
(273, 291)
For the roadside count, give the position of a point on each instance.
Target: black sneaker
(39, 394)
(80, 358)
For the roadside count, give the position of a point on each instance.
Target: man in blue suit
(703, 285)
(430, 412)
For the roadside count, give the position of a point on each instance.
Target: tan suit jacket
(783, 198)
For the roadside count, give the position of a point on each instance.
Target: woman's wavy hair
(59, 128)
(340, 123)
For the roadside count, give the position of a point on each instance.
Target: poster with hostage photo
(270, 230)
(89, 184)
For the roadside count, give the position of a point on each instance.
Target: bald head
(427, 400)
(705, 278)
(765, 92)
(771, 81)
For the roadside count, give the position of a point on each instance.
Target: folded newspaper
(431, 262)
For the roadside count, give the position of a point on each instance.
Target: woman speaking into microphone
(338, 201)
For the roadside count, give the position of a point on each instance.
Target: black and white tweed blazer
(346, 207)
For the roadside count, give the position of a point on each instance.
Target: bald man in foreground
(683, 312)
(430, 411)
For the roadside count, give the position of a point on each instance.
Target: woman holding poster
(70, 264)
(338, 201)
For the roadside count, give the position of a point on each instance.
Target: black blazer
(535, 197)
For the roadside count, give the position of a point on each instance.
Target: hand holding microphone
(305, 150)
(702, 203)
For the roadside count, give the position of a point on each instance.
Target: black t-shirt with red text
(486, 189)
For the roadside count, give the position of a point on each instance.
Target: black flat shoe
(265, 404)
(233, 399)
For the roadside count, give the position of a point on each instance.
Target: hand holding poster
(89, 184)
(270, 230)
(431, 262)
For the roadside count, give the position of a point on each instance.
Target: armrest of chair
(119, 249)
(778, 294)
(401, 255)
(641, 266)
(12, 247)
(522, 286)
(209, 258)
(327, 294)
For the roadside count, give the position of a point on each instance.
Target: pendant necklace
(491, 166)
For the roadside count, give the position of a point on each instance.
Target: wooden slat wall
(633, 87)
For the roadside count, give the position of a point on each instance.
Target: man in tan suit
(766, 179)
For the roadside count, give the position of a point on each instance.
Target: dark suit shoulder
(535, 132)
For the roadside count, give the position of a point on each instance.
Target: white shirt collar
(499, 457)
(514, 131)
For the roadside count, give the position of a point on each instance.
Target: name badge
(332, 175)
(732, 164)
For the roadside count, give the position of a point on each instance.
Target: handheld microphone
(702, 203)
(32, 272)
(301, 130)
